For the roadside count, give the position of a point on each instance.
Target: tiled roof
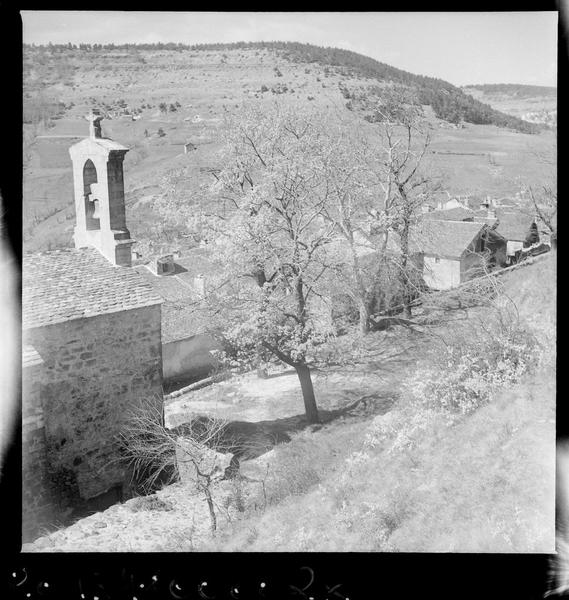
(181, 316)
(513, 225)
(62, 285)
(443, 238)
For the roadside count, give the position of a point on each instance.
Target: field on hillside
(198, 88)
(539, 106)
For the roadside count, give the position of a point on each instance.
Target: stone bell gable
(98, 184)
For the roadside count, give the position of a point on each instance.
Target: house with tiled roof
(91, 348)
(187, 342)
(445, 251)
(513, 225)
(454, 251)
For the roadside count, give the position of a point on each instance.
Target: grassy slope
(484, 484)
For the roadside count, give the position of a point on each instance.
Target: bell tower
(99, 195)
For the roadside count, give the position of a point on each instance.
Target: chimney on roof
(165, 265)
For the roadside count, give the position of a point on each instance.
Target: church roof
(62, 285)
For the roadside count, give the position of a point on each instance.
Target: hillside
(393, 473)
(532, 103)
(156, 98)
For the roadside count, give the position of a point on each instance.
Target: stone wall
(94, 370)
(37, 499)
(189, 357)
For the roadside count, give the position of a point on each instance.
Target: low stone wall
(189, 358)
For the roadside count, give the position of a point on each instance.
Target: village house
(513, 225)
(454, 251)
(446, 252)
(187, 344)
(91, 348)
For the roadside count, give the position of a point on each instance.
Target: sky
(460, 47)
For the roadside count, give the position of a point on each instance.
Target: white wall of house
(441, 273)
(513, 247)
(189, 357)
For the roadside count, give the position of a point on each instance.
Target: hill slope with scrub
(156, 98)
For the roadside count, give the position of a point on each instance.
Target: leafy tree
(271, 242)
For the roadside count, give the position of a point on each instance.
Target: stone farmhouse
(91, 347)
(446, 252)
(513, 225)
(454, 251)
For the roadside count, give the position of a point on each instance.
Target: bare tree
(405, 182)
(155, 453)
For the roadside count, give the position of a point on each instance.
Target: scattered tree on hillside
(543, 198)
(532, 236)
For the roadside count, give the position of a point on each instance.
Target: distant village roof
(181, 316)
(451, 214)
(62, 285)
(444, 238)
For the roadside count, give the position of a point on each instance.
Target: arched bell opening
(92, 208)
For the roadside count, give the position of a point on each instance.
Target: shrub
(469, 373)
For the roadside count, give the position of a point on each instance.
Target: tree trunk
(261, 371)
(404, 260)
(364, 318)
(209, 499)
(310, 407)
(361, 289)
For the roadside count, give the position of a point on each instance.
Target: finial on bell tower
(94, 117)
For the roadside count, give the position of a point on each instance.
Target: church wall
(37, 499)
(94, 369)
